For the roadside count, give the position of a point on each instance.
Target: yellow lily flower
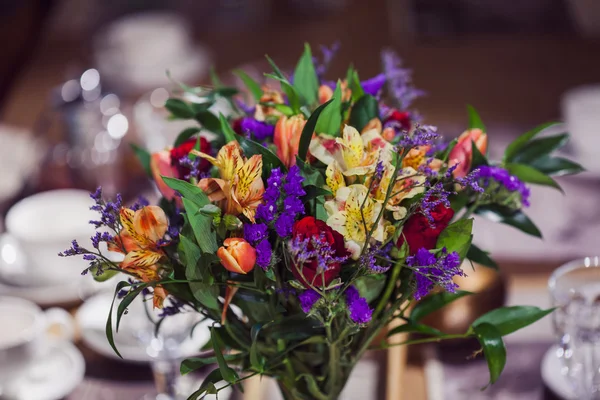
(240, 187)
(408, 184)
(353, 213)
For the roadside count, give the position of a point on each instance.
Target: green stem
(334, 356)
(420, 341)
(388, 290)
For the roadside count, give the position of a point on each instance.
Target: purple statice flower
(471, 180)
(436, 195)
(255, 232)
(174, 307)
(359, 309)
(486, 173)
(268, 209)
(260, 130)
(328, 53)
(74, 250)
(423, 135)
(374, 85)
(109, 211)
(308, 298)
(399, 80)
(379, 168)
(317, 249)
(293, 185)
(264, 253)
(431, 270)
(284, 224)
(100, 237)
(89, 257)
(369, 259)
(246, 108)
(140, 203)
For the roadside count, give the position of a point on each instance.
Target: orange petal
(127, 215)
(122, 243)
(229, 293)
(325, 94)
(159, 296)
(229, 160)
(140, 259)
(160, 165)
(237, 255)
(375, 123)
(151, 222)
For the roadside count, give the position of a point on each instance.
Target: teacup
(24, 337)
(38, 228)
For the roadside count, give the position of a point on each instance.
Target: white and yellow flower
(408, 184)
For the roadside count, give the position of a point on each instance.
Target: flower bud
(325, 94)
(237, 255)
(462, 153)
(287, 138)
(160, 165)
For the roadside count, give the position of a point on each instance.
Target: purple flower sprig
(422, 135)
(314, 248)
(358, 308)
(369, 259)
(109, 211)
(308, 299)
(487, 174)
(399, 80)
(434, 270)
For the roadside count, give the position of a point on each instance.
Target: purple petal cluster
(328, 55)
(140, 203)
(266, 211)
(256, 235)
(487, 173)
(431, 270)
(174, 307)
(369, 259)
(436, 195)
(308, 298)
(399, 80)
(100, 237)
(109, 211)
(423, 135)
(74, 250)
(314, 248)
(374, 85)
(359, 309)
(258, 129)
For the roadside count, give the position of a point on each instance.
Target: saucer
(552, 376)
(54, 376)
(91, 320)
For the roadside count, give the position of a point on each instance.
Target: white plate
(54, 375)
(91, 319)
(552, 376)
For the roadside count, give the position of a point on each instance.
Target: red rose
(402, 118)
(183, 150)
(420, 233)
(310, 227)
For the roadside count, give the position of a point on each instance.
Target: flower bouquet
(315, 216)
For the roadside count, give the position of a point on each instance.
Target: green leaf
(108, 330)
(411, 327)
(532, 175)
(311, 175)
(446, 153)
(434, 302)
(214, 78)
(505, 215)
(459, 200)
(477, 159)
(179, 109)
(224, 92)
(457, 237)
(556, 166)
(309, 129)
(208, 385)
(493, 349)
(370, 286)
(306, 82)
(356, 87)
(185, 135)
(331, 118)
(227, 130)
(226, 372)
(188, 191)
(251, 84)
(276, 69)
(194, 363)
(510, 319)
(209, 121)
(255, 360)
(105, 275)
(313, 387)
(539, 148)
(479, 256)
(269, 159)
(284, 109)
(363, 111)
(126, 301)
(295, 327)
(144, 158)
(201, 226)
(313, 191)
(520, 142)
(291, 93)
(475, 121)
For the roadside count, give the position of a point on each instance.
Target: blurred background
(80, 79)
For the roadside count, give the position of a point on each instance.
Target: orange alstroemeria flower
(287, 138)
(237, 255)
(269, 96)
(138, 241)
(240, 187)
(462, 153)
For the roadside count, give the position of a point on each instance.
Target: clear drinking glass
(575, 291)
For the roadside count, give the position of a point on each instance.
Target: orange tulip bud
(160, 165)
(287, 138)
(237, 255)
(325, 94)
(375, 123)
(462, 153)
